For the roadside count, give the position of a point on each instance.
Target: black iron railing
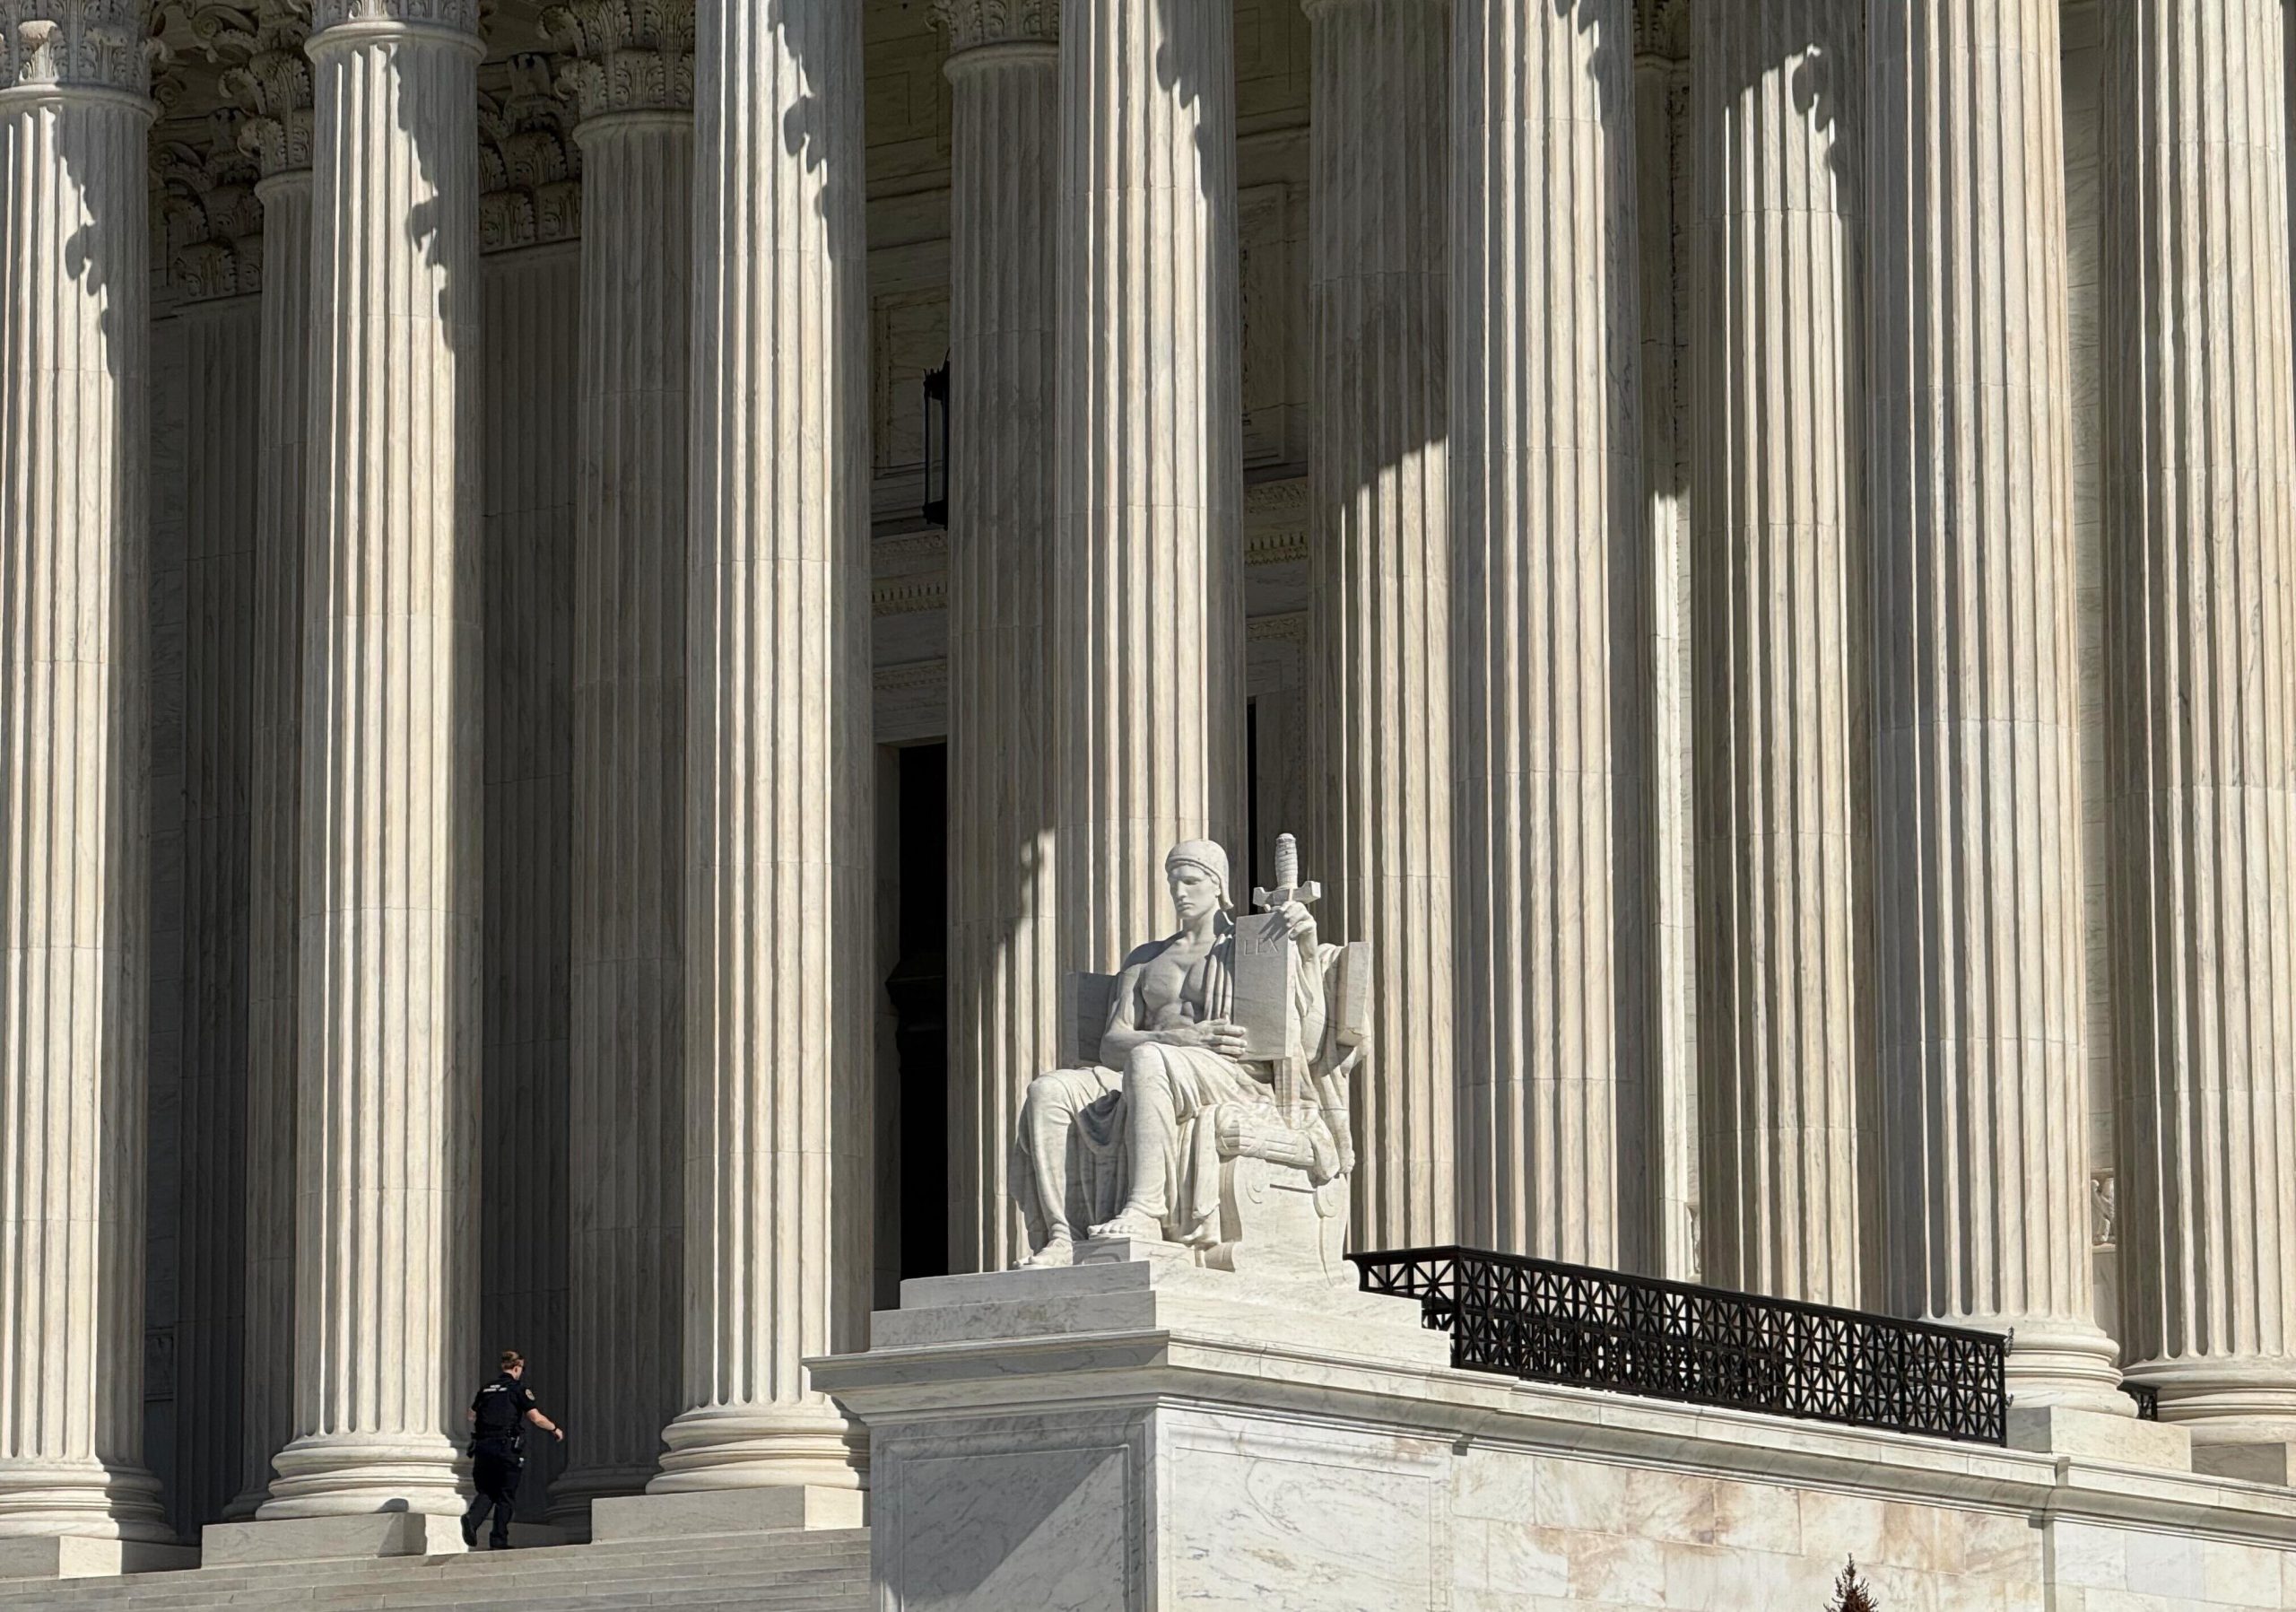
(1550, 1322)
(2148, 1400)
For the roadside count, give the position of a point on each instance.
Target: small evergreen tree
(1850, 1593)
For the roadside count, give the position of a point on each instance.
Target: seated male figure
(1116, 1147)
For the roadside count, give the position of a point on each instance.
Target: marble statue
(1207, 1106)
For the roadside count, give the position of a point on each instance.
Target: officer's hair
(512, 1357)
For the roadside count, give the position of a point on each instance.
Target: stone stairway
(824, 1571)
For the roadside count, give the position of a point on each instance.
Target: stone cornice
(210, 224)
(78, 45)
(530, 169)
(461, 17)
(629, 56)
(971, 23)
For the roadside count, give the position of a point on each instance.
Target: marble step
(810, 1572)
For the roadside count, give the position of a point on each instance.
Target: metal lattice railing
(1549, 1322)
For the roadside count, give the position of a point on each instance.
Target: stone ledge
(2066, 1430)
(71, 1557)
(2267, 1461)
(625, 1520)
(329, 1538)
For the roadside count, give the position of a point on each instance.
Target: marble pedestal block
(76, 1556)
(2265, 1461)
(1143, 1434)
(626, 1520)
(1098, 1436)
(329, 1538)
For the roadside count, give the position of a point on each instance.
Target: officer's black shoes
(470, 1534)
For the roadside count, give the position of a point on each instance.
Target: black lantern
(936, 432)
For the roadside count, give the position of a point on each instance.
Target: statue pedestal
(1143, 1432)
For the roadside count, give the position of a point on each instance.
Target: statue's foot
(1059, 1250)
(1132, 1225)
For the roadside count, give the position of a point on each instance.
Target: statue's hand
(1214, 1035)
(1299, 925)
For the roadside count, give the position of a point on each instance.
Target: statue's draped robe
(1087, 1111)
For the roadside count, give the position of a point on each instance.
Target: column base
(245, 1504)
(72, 1556)
(2057, 1361)
(329, 1540)
(361, 1475)
(722, 1447)
(2247, 1404)
(627, 1518)
(84, 1500)
(580, 1488)
(2118, 1437)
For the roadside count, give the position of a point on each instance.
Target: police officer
(497, 1419)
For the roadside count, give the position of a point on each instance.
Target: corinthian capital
(77, 44)
(529, 169)
(269, 79)
(629, 56)
(210, 224)
(973, 22)
(461, 15)
(1662, 30)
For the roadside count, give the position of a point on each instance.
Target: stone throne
(1287, 1157)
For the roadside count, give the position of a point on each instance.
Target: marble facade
(1754, 550)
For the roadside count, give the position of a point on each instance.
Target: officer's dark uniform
(502, 1408)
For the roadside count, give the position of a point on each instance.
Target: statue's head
(1197, 872)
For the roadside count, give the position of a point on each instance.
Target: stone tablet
(1264, 959)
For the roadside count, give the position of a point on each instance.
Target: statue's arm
(1123, 1032)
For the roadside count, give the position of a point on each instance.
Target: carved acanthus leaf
(79, 44)
(461, 16)
(210, 224)
(268, 76)
(974, 22)
(628, 56)
(530, 170)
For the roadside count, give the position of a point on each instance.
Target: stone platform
(1142, 1436)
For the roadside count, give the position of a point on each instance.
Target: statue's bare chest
(1172, 988)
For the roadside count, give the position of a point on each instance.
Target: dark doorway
(918, 989)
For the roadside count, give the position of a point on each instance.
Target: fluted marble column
(1378, 565)
(387, 1004)
(273, 87)
(1778, 592)
(73, 114)
(626, 1120)
(779, 985)
(1004, 792)
(1547, 571)
(1150, 584)
(1978, 878)
(2200, 645)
